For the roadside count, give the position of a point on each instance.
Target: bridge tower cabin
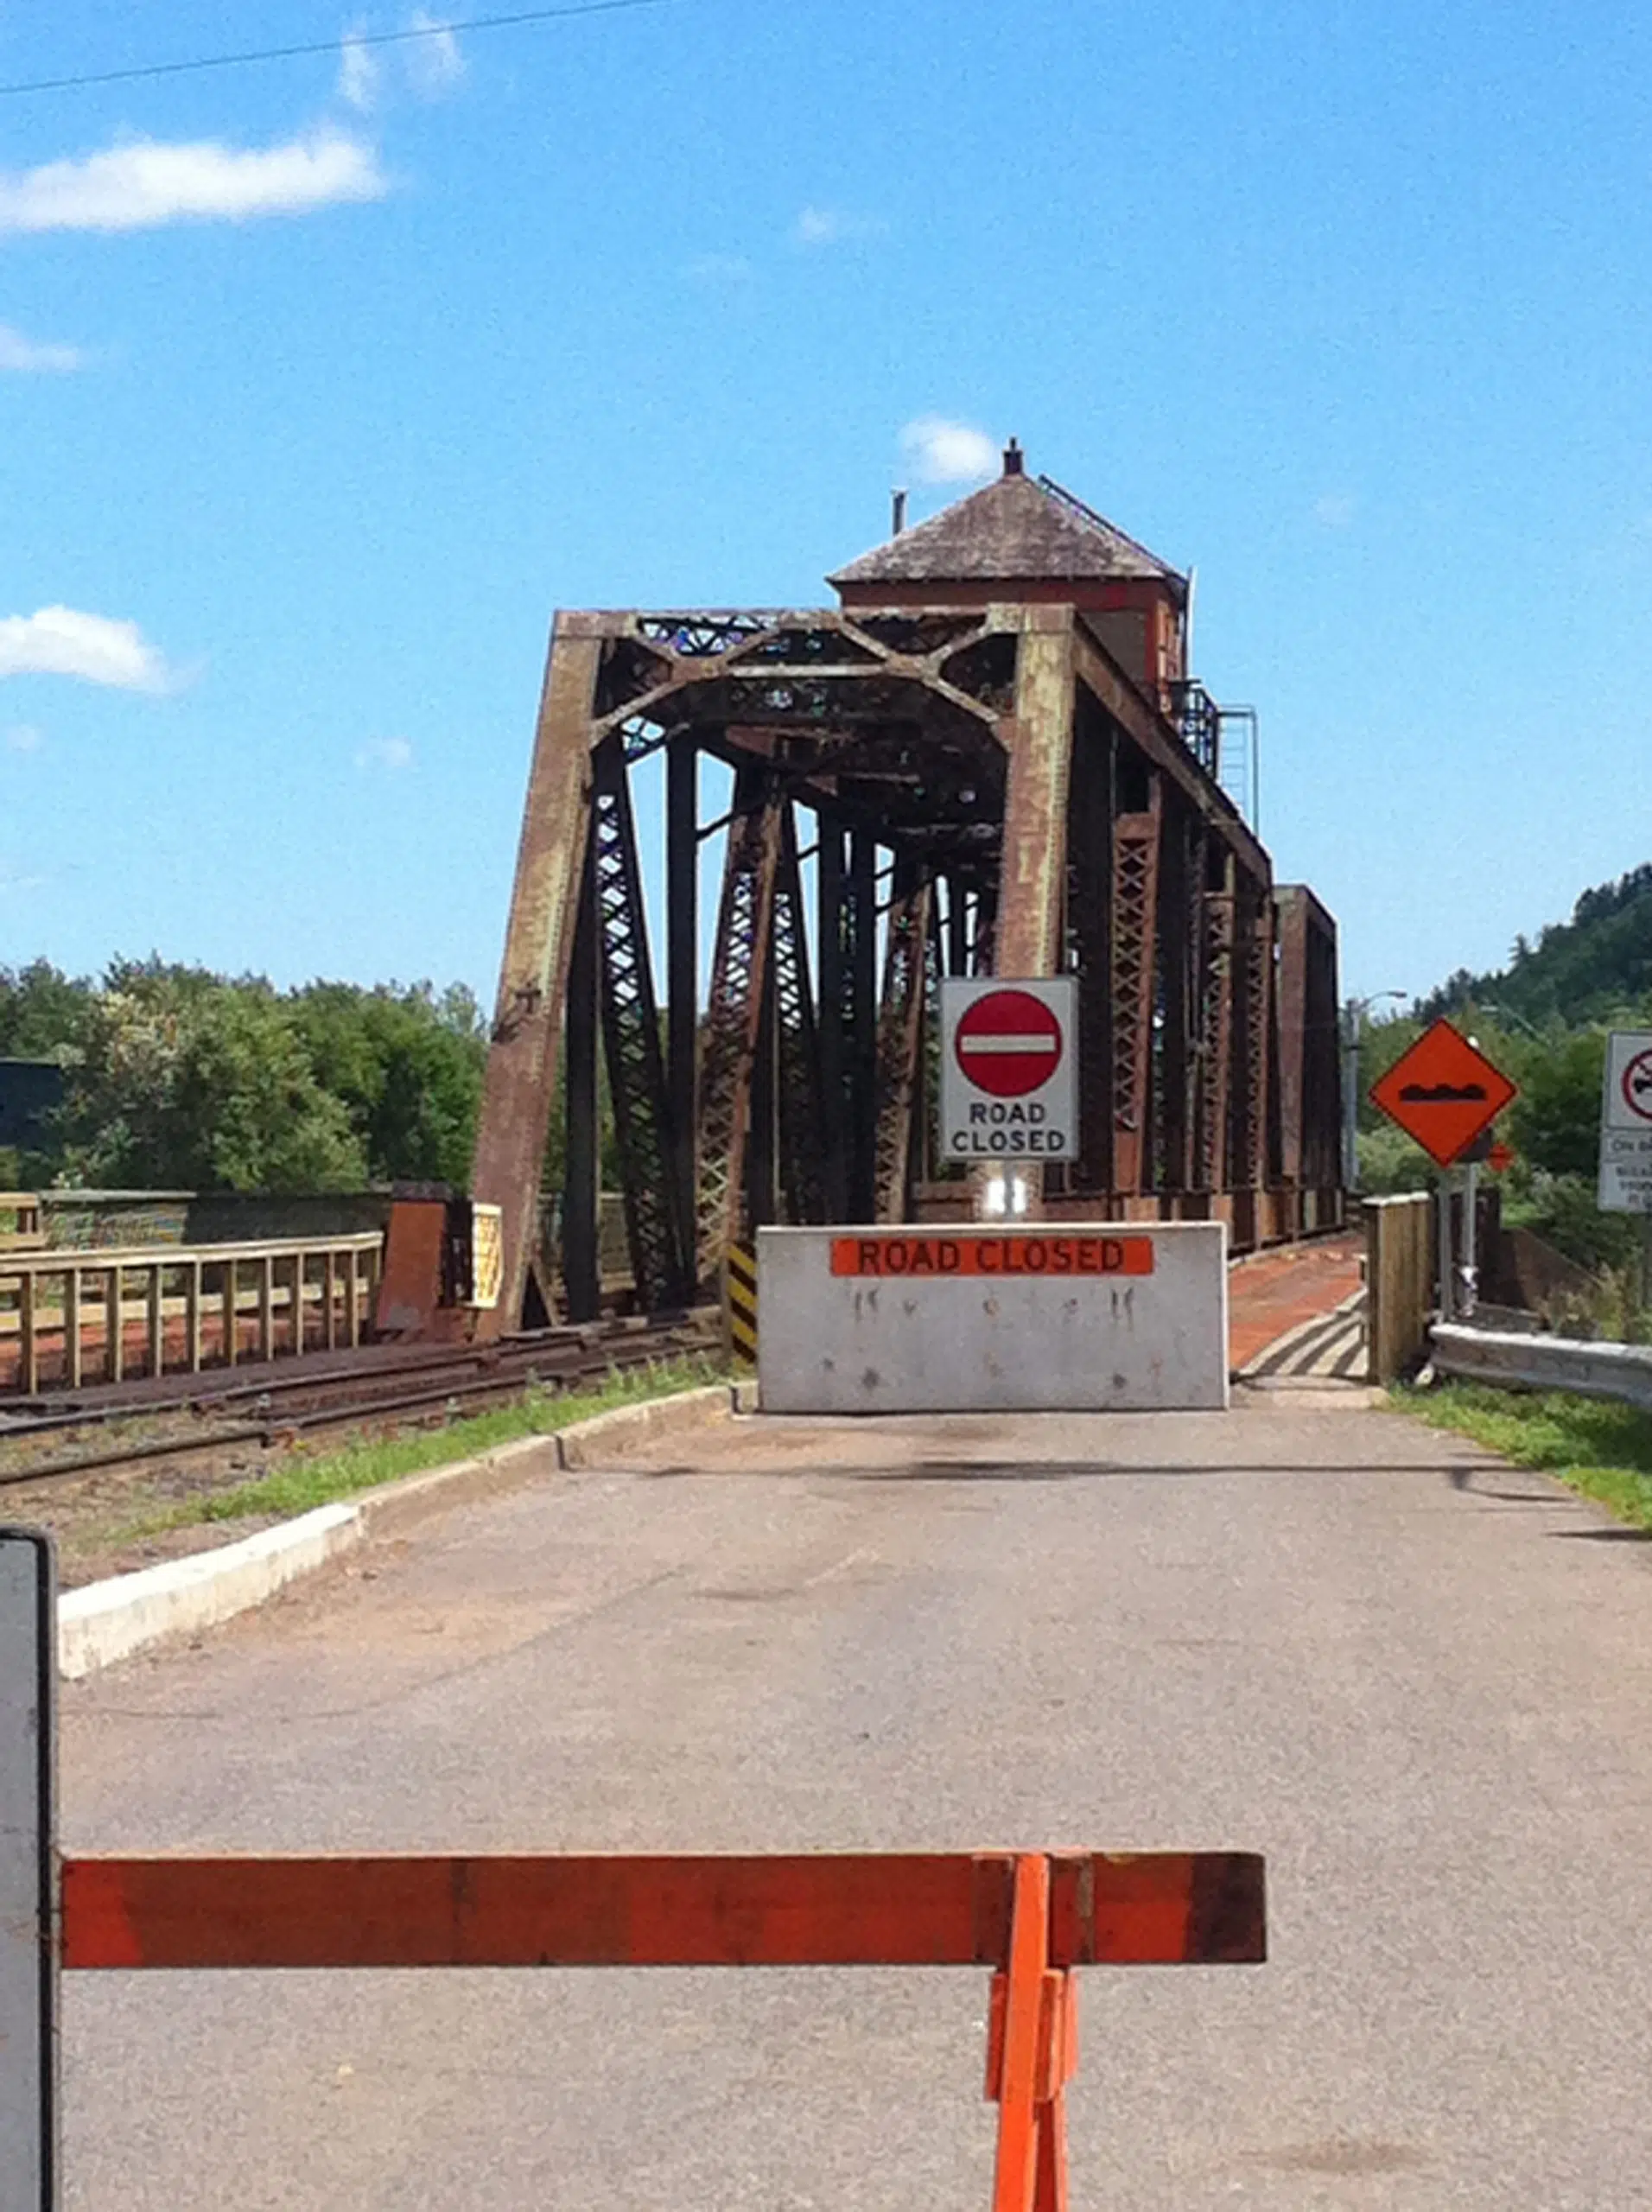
(993, 755)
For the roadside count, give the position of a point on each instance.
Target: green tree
(42, 1012)
(407, 1066)
(187, 1081)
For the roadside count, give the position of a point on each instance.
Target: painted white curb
(107, 1620)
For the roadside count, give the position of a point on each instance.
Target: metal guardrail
(1538, 1363)
(151, 1308)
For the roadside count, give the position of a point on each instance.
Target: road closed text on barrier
(991, 1255)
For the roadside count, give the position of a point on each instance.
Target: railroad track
(405, 1388)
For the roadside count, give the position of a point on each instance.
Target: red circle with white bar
(1009, 1043)
(1637, 1084)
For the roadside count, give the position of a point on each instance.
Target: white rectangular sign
(1626, 1124)
(28, 1971)
(1009, 1068)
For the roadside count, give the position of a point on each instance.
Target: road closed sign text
(1009, 1054)
(992, 1254)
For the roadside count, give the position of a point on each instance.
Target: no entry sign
(1626, 1124)
(1009, 1051)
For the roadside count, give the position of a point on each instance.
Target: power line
(327, 46)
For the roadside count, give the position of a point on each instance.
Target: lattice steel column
(1216, 1098)
(1135, 916)
(734, 1016)
(1181, 854)
(521, 1080)
(1254, 960)
(829, 913)
(900, 1036)
(1090, 938)
(803, 1148)
(631, 1034)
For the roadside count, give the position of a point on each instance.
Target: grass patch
(309, 1478)
(1599, 1448)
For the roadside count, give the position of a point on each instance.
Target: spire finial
(1015, 459)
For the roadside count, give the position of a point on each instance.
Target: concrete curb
(108, 1621)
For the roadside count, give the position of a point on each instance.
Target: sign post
(1443, 1093)
(1626, 1137)
(28, 2163)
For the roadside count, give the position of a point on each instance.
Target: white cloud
(433, 63)
(139, 186)
(358, 72)
(831, 227)
(1334, 509)
(23, 737)
(29, 357)
(60, 641)
(393, 753)
(941, 452)
(720, 269)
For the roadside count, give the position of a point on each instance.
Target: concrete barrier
(1057, 1318)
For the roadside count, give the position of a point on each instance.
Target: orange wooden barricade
(1033, 1917)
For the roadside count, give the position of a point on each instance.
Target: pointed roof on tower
(1016, 530)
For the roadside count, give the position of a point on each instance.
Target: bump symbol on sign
(1009, 1043)
(1637, 1086)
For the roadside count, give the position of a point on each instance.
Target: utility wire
(327, 46)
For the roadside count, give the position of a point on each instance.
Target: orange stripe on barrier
(820, 1909)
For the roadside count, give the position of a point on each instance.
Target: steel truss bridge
(914, 793)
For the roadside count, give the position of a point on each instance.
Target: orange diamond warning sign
(1443, 1092)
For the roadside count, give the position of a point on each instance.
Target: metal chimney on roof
(897, 503)
(1015, 459)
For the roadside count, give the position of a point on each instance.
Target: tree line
(175, 1078)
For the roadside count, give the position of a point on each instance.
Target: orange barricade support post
(1032, 1917)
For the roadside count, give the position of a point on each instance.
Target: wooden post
(156, 1308)
(29, 1373)
(192, 1316)
(352, 1284)
(330, 1300)
(299, 1259)
(266, 1306)
(230, 1347)
(72, 1361)
(115, 1324)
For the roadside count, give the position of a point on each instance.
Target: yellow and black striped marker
(740, 1302)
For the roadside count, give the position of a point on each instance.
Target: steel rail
(640, 1351)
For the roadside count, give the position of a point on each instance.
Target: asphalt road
(1417, 1681)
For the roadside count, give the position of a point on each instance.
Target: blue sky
(323, 382)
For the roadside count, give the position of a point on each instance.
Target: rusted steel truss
(901, 1040)
(734, 1014)
(661, 1269)
(898, 791)
(802, 1107)
(1134, 936)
